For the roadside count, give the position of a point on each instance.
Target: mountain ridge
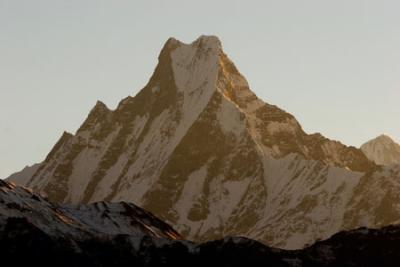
(79, 221)
(200, 150)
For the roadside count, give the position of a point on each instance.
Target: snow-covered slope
(382, 150)
(200, 150)
(79, 222)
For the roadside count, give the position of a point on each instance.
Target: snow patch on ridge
(302, 191)
(153, 149)
(192, 190)
(228, 194)
(195, 64)
(85, 164)
(230, 118)
(104, 188)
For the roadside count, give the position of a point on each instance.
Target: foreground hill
(35, 232)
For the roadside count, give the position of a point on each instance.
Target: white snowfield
(200, 150)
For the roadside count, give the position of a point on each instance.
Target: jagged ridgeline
(200, 150)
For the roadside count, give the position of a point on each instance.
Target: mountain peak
(384, 137)
(100, 105)
(383, 150)
(210, 40)
(191, 66)
(198, 148)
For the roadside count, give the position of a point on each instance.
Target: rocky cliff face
(382, 150)
(200, 150)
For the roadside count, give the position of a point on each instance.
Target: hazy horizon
(333, 65)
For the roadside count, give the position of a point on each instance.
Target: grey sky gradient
(335, 65)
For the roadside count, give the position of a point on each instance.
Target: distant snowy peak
(383, 150)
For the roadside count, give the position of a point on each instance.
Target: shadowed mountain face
(197, 148)
(34, 231)
(22, 205)
(382, 150)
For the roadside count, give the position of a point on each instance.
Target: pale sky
(334, 65)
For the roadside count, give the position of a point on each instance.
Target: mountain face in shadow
(34, 231)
